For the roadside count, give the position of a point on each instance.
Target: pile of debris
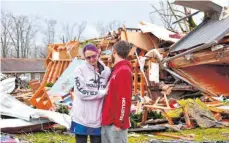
(17, 117)
(179, 81)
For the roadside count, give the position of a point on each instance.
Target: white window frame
(37, 76)
(28, 75)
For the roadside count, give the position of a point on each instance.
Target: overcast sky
(131, 13)
(91, 11)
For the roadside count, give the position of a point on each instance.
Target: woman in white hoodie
(90, 88)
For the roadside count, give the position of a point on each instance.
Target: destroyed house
(201, 57)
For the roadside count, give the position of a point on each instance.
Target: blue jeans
(83, 139)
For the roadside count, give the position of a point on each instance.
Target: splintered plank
(142, 85)
(66, 63)
(187, 137)
(136, 77)
(167, 117)
(34, 84)
(144, 116)
(154, 128)
(55, 74)
(52, 72)
(187, 118)
(45, 78)
(60, 69)
(37, 95)
(44, 102)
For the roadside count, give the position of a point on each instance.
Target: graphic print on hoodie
(89, 94)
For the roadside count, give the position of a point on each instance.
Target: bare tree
(22, 33)
(170, 13)
(40, 51)
(114, 25)
(48, 38)
(5, 39)
(165, 14)
(72, 32)
(102, 28)
(80, 29)
(190, 21)
(68, 32)
(49, 31)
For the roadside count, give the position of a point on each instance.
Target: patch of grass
(51, 137)
(139, 139)
(48, 137)
(210, 134)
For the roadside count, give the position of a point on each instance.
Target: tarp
(66, 81)
(14, 108)
(7, 85)
(12, 123)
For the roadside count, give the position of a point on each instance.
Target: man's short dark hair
(122, 48)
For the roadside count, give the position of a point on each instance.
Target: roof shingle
(12, 65)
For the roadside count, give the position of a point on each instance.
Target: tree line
(19, 34)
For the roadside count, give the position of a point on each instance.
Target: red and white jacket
(117, 103)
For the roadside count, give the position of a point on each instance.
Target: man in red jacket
(116, 107)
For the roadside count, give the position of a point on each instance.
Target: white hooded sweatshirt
(89, 90)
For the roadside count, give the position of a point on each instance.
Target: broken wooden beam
(153, 128)
(167, 117)
(189, 123)
(187, 137)
(156, 121)
(144, 116)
